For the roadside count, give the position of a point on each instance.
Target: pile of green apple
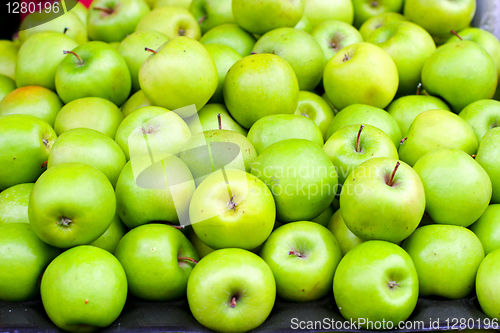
(235, 151)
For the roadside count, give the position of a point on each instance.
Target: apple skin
(366, 115)
(14, 204)
(487, 228)
(211, 13)
(341, 148)
(242, 219)
(303, 257)
(110, 238)
(225, 274)
(184, 60)
(409, 46)
(346, 239)
(379, 21)
(304, 25)
(365, 9)
(259, 17)
(297, 198)
(176, 3)
(94, 292)
(486, 285)
(488, 156)
(87, 146)
(377, 281)
(24, 257)
(7, 85)
(441, 253)
(271, 129)
(8, 58)
(152, 128)
(435, 129)
(78, 9)
(25, 144)
(132, 50)
(117, 25)
(372, 208)
(208, 120)
(34, 101)
(458, 67)
(332, 36)
(405, 109)
(230, 35)
(92, 112)
(294, 46)
(317, 109)
(149, 255)
(224, 57)
(368, 76)
(171, 21)
(482, 116)
(324, 217)
(37, 64)
(448, 176)
(135, 102)
(201, 248)
(138, 205)
(318, 11)
(260, 85)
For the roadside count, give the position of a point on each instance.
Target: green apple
(68, 23)
(324, 217)
(441, 254)
(207, 119)
(482, 116)
(231, 290)
(378, 21)
(332, 36)
(24, 258)
(171, 21)
(71, 204)
(279, 127)
(376, 281)
(8, 58)
(260, 85)
(486, 285)
(143, 193)
(457, 189)
(147, 253)
(318, 11)
(113, 20)
(175, 3)
(211, 13)
(232, 208)
(25, 143)
(435, 129)
(7, 85)
(201, 248)
(92, 112)
(366, 9)
(88, 146)
(294, 46)
(487, 228)
(460, 67)
(34, 101)
(14, 204)
(303, 257)
(317, 109)
(152, 129)
(301, 177)
(346, 239)
(440, 17)
(488, 156)
(132, 50)
(383, 199)
(304, 25)
(135, 102)
(409, 46)
(191, 71)
(354, 144)
(37, 64)
(86, 73)
(366, 115)
(93, 293)
(405, 109)
(259, 17)
(110, 238)
(224, 57)
(361, 73)
(78, 9)
(230, 35)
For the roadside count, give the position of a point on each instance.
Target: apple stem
(65, 221)
(295, 253)
(203, 18)
(232, 204)
(358, 148)
(150, 50)
(402, 141)
(44, 164)
(187, 259)
(393, 284)
(219, 120)
(374, 4)
(474, 156)
(253, 52)
(45, 142)
(391, 180)
(233, 302)
(456, 34)
(65, 30)
(80, 61)
(418, 88)
(182, 32)
(106, 10)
